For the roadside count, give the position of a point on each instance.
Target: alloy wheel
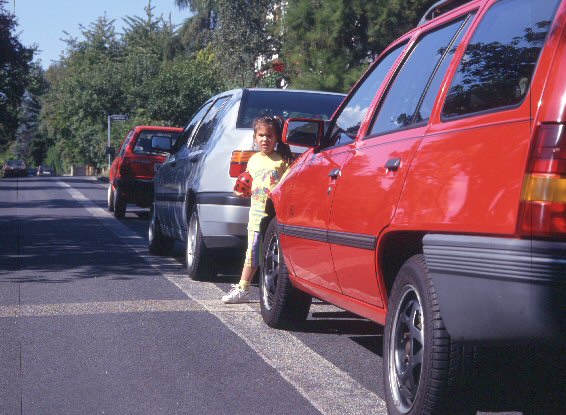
(270, 271)
(406, 350)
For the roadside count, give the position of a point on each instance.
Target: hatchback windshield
(287, 105)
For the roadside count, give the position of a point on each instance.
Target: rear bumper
(138, 191)
(498, 289)
(223, 219)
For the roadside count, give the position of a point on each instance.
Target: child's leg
(240, 292)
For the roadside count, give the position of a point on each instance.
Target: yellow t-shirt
(266, 171)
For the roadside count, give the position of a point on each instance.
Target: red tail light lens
(239, 162)
(543, 199)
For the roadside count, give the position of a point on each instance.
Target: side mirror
(161, 143)
(303, 132)
(110, 151)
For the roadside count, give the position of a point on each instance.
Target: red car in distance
(131, 174)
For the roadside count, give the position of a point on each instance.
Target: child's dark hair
(276, 123)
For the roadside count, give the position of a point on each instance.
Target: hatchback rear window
(287, 105)
(155, 142)
(499, 62)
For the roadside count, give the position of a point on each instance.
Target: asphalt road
(92, 324)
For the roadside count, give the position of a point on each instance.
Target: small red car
(131, 173)
(434, 200)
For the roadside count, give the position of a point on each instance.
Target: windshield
(287, 104)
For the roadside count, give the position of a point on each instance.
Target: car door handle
(393, 164)
(334, 173)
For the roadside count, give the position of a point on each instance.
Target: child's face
(265, 138)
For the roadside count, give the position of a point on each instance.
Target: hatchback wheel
(423, 367)
(199, 263)
(281, 304)
(119, 204)
(158, 243)
(110, 198)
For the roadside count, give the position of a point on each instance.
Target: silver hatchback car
(194, 200)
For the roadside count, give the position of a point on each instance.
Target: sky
(42, 22)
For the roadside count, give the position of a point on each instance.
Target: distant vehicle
(45, 171)
(194, 199)
(131, 173)
(14, 168)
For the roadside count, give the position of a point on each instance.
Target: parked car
(194, 199)
(14, 168)
(45, 170)
(132, 171)
(434, 204)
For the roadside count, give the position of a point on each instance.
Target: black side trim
(222, 198)
(353, 240)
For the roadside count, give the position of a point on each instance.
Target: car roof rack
(441, 7)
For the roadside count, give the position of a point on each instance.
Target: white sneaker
(236, 295)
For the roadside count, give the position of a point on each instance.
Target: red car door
(313, 188)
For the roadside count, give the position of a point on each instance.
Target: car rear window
(286, 105)
(155, 142)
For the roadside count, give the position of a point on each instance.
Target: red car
(434, 201)
(132, 171)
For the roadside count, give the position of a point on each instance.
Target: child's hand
(239, 194)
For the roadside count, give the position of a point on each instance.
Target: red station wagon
(434, 201)
(132, 171)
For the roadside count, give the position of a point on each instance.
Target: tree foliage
(135, 73)
(16, 75)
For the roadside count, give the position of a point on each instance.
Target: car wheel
(198, 258)
(119, 204)
(281, 304)
(158, 243)
(424, 371)
(110, 198)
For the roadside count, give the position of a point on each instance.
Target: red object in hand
(244, 184)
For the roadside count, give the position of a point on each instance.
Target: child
(266, 168)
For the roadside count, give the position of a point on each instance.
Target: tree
(329, 43)
(15, 69)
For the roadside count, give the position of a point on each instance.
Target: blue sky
(42, 22)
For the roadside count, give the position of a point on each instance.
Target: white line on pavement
(328, 388)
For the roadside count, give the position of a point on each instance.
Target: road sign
(119, 117)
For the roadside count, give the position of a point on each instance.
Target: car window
(286, 104)
(125, 143)
(399, 107)
(155, 142)
(425, 109)
(208, 123)
(500, 59)
(350, 118)
(186, 134)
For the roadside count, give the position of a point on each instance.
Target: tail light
(239, 162)
(543, 199)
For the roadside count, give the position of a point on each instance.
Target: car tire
(198, 258)
(110, 198)
(158, 243)
(119, 204)
(425, 372)
(281, 304)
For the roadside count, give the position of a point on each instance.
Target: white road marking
(328, 388)
(102, 307)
